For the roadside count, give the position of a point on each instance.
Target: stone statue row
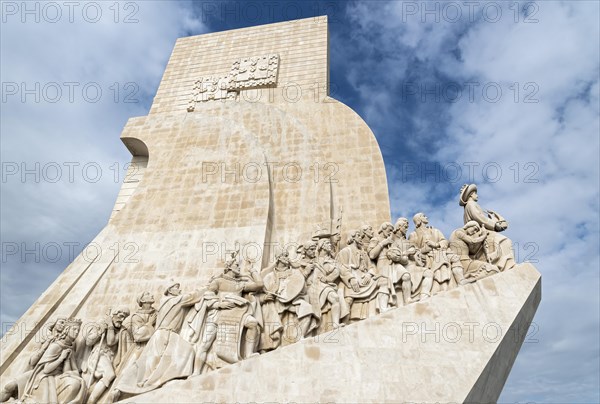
(246, 312)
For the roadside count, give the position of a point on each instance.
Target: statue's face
(148, 297)
(474, 196)
(367, 232)
(118, 318)
(74, 331)
(335, 239)
(235, 268)
(387, 231)
(424, 219)
(311, 251)
(358, 240)
(472, 230)
(284, 258)
(402, 226)
(175, 290)
(59, 326)
(327, 246)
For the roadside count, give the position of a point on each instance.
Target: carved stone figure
(140, 327)
(390, 260)
(360, 287)
(334, 235)
(500, 246)
(432, 244)
(55, 378)
(377, 249)
(401, 230)
(421, 276)
(225, 311)
(322, 289)
(367, 234)
(53, 331)
(167, 355)
(285, 304)
(107, 339)
(434, 247)
(469, 243)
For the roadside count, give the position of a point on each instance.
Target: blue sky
(505, 94)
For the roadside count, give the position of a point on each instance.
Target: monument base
(458, 346)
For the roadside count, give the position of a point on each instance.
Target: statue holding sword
(229, 331)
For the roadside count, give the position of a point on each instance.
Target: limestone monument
(257, 259)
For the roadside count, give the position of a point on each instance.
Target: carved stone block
(246, 73)
(212, 88)
(255, 71)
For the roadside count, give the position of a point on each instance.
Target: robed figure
(500, 249)
(287, 313)
(55, 378)
(167, 355)
(364, 292)
(470, 244)
(224, 326)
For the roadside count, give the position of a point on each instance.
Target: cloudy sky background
(424, 76)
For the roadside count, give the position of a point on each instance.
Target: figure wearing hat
(499, 247)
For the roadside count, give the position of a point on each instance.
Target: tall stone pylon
(244, 149)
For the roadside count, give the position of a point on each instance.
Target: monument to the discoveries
(250, 256)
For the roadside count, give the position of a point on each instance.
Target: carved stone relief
(245, 73)
(245, 311)
(255, 71)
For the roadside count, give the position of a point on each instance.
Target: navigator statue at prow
(496, 247)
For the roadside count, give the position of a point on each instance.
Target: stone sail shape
(458, 346)
(264, 159)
